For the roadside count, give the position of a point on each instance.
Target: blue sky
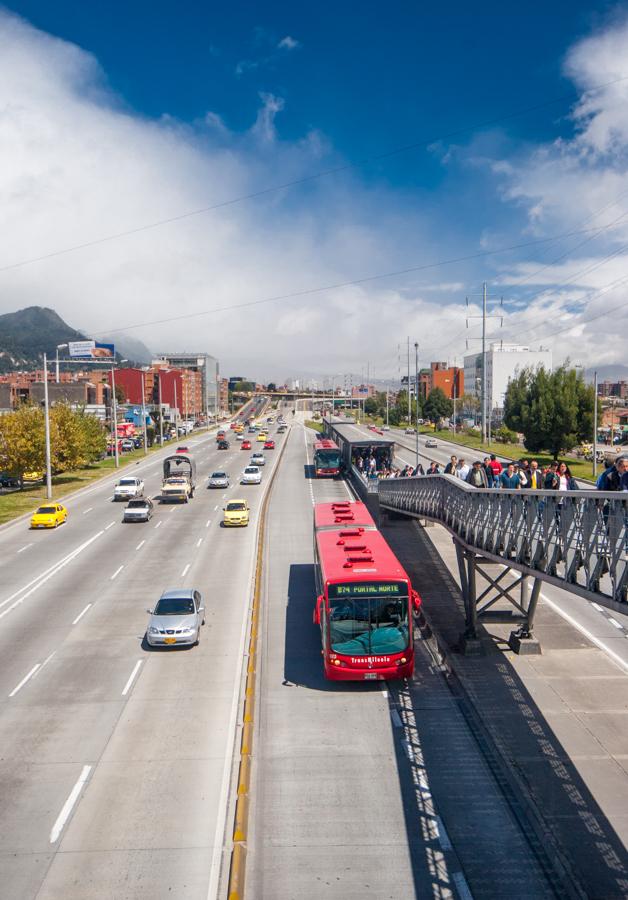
(246, 95)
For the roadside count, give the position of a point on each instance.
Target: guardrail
(577, 540)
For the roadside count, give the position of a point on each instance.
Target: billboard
(90, 350)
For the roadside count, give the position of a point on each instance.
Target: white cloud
(76, 165)
(288, 43)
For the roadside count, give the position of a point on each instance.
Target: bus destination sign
(369, 589)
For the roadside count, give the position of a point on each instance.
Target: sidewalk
(558, 722)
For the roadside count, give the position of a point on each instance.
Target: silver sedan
(218, 480)
(177, 619)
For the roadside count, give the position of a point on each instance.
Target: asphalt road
(115, 760)
(363, 790)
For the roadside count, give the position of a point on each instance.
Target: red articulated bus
(326, 458)
(365, 600)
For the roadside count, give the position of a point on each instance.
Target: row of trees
(76, 439)
(437, 406)
(553, 410)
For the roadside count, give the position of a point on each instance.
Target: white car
(431, 442)
(258, 459)
(239, 437)
(251, 475)
(128, 487)
(385, 427)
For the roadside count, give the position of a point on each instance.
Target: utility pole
(176, 410)
(161, 411)
(455, 392)
(47, 427)
(416, 390)
(114, 416)
(408, 386)
(144, 415)
(387, 392)
(595, 425)
(484, 379)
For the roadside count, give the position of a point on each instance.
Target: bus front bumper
(379, 673)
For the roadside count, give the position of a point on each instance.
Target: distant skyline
(437, 143)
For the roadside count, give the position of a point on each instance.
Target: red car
(269, 445)
(245, 445)
(233, 425)
(183, 449)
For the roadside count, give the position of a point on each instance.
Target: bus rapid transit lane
(157, 753)
(355, 785)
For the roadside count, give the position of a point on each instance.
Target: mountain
(27, 334)
(129, 348)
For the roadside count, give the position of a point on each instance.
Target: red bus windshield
(327, 459)
(368, 619)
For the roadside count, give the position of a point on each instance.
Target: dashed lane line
(64, 815)
(81, 614)
(131, 678)
(22, 549)
(117, 572)
(140, 545)
(24, 680)
(185, 571)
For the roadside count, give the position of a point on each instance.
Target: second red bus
(326, 458)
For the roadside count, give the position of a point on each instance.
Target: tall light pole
(47, 429)
(595, 424)
(161, 411)
(416, 391)
(409, 407)
(144, 414)
(59, 347)
(114, 416)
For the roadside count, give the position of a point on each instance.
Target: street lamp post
(416, 392)
(595, 424)
(47, 430)
(59, 347)
(114, 416)
(144, 415)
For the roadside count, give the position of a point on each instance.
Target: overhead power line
(314, 176)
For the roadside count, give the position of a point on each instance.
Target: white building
(503, 362)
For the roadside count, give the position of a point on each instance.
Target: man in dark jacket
(535, 476)
(450, 468)
(610, 479)
(477, 476)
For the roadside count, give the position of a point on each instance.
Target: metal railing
(577, 540)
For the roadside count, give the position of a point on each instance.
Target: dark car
(9, 481)
(223, 445)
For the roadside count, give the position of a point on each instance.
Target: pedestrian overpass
(575, 540)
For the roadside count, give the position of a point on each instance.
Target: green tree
(120, 394)
(438, 405)
(67, 445)
(370, 406)
(554, 411)
(94, 437)
(244, 387)
(271, 387)
(22, 441)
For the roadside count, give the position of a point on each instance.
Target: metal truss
(576, 540)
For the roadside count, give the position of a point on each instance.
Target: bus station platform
(555, 724)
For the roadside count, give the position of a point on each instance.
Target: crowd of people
(491, 473)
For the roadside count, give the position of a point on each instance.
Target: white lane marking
(462, 887)
(85, 511)
(615, 623)
(597, 606)
(127, 686)
(396, 719)
(199, 542)
(598, 643)
(22, 549)
(443, 837)
(208, 523)
(185, 571)
(174, 509)
(215, 508)
(25, 679)
(158, 524)
(117, 572)
(63, 816)
(45, 663)
(42, 579)
(110, 525)
(140, 545)
(81, 614)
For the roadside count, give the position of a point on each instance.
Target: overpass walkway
(575, 540)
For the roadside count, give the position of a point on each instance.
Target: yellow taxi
(50, 515)
(261, 437)
(32, 477)
(236, 513)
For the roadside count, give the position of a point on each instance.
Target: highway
(353, 792)
(115, 760)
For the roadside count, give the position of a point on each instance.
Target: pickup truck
(128, 488)
(179, 478)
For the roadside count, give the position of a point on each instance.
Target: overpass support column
(522, 640)
(469, 641)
